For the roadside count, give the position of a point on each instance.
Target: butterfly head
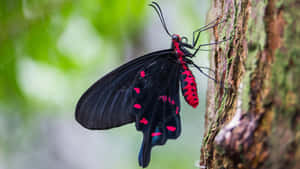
(176, 41)
(180, 40)
(176, 38)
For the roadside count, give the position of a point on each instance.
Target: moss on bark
(253, 122)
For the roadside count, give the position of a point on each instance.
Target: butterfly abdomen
(188, 85)
(187, 79)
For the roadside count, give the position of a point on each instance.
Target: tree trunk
(252, 115)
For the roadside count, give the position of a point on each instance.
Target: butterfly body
(188, 82)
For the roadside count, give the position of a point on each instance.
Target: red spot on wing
(137, 90)
(177, 110)
(144, 121)
(167, 98)
(164, 98)
(142, 73)
(156, 134)
(137, 106)
(171, 128)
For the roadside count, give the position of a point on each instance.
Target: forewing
(109, 102)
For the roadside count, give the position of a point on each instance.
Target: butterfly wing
(108, 102)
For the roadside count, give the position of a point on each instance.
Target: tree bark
(253, 114)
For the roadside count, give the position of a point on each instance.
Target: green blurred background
(51, 51)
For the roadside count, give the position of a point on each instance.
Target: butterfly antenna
(160, 15)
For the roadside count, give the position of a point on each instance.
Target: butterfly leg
(190, 62)
(196, 33)
(208, 44)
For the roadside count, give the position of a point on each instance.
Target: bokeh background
(51, 51)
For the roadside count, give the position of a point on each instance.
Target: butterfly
(146, 91)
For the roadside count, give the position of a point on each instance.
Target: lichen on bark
(253, 122)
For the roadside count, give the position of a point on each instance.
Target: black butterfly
(145, 91)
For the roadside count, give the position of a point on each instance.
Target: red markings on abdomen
(188, 85)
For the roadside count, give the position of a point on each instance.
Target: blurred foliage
(52, 50)
(31, 29)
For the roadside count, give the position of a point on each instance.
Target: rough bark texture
(253, 121)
